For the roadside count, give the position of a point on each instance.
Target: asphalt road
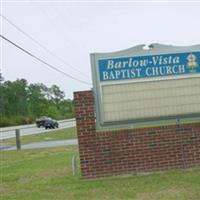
(9, 132)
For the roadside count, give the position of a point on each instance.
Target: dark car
(46, 122)
(40, 121)
(50, 123)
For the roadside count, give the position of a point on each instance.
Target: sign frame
(137, 51)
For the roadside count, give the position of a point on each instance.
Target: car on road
(46, 122)
(40, 121)
(50, 123)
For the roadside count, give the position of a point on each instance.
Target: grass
(62, 134)
(46, 174)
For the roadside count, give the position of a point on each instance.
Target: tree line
(22, 103)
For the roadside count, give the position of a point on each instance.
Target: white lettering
(105, 75)
(167, 60)
(110, 64)
(166, 70)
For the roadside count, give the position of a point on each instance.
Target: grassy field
(45, 174)
(62, 134)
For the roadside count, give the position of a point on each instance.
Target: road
(9, 132)
(46, 144)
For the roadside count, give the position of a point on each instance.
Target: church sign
(138, 85)
(149, 66)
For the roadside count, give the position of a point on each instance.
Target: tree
(56, 94)
(15, 97)
(21, 101)
(36, 100)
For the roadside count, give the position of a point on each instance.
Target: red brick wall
(107, 153)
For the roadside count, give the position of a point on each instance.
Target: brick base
(108, 153)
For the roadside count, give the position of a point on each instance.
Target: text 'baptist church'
(147, 66)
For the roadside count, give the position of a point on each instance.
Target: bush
(4, 121)
(69, 115)
(15, 120)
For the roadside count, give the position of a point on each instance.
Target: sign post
(18, 142)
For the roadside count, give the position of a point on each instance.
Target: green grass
(62, 134)
(45, 174)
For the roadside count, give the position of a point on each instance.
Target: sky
(73, 30)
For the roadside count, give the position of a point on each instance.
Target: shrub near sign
(137, 85)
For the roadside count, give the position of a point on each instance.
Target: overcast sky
(74, 30)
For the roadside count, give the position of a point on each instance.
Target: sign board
(138, 85)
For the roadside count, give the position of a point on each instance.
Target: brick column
(85, 124)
